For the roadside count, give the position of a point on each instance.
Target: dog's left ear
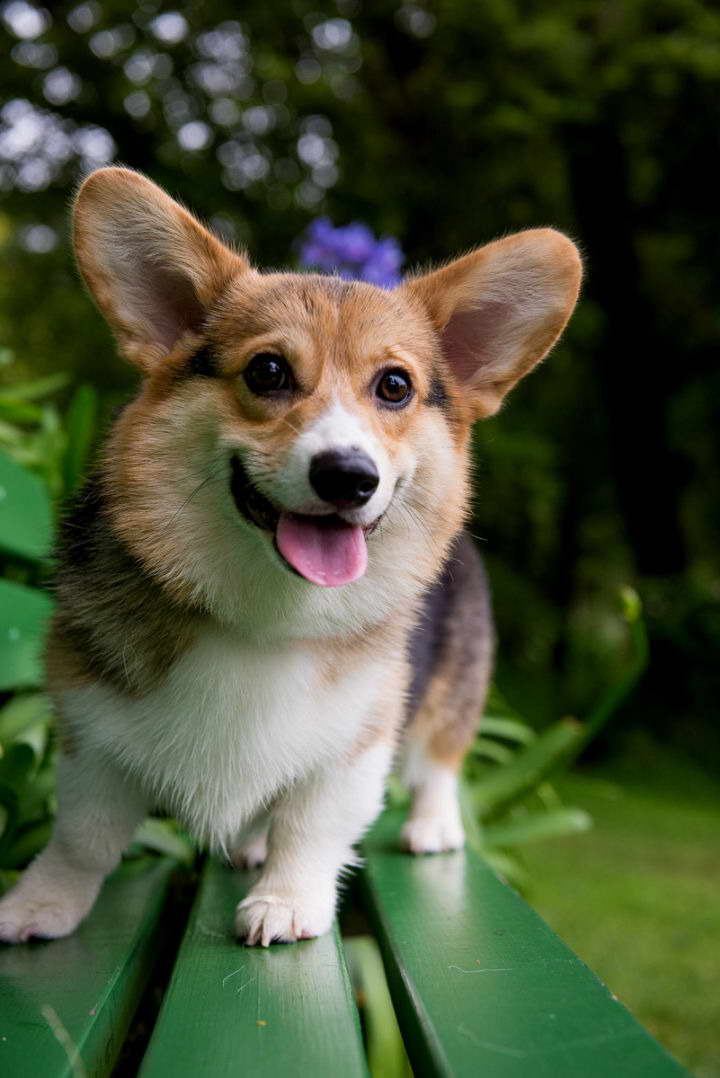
(500, 309)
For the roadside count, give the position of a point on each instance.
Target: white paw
(433, 834)
(251, 854)
(48, 917)
(267, 918)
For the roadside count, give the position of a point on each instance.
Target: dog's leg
(98, 812)
(452, 651)
(434, 823)
(313, 831)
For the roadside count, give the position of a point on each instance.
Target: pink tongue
(329, 553)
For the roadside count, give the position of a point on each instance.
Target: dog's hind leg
(451, 656)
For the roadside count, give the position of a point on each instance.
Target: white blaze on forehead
(336, 428)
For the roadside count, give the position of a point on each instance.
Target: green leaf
(7, 880)
(10, 435)
(26, 843)
(34, 797)
(19, 412)
(163, 837)
(24, 616)
(25, 512)
(80, 429)
(510, 729)
(488, 749)
(34, 390)
(537, 826)
(528, 768)
(16, 764)
(22, 712)
(36, 737)
(507, 867)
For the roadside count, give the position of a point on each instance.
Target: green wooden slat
(86, 986)
(235, 1010)
(482, 985)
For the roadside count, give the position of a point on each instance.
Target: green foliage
(26, 780)
(25, 512)
(508, 800)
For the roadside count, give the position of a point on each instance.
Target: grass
(638, 896)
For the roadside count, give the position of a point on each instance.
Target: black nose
(346, 478)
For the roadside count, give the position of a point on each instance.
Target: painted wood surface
(235, 1010)
(78, 995)
(482, 985)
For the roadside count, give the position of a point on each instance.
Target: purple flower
(352, 252)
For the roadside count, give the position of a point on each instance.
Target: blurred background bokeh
(443, 125)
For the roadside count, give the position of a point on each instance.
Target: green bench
(481, 986)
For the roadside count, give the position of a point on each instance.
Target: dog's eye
(268, 373)
(394, 388)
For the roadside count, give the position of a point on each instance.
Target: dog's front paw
(47, 916)
(267, 918)
(433, 834)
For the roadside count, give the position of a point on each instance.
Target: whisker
(289, 424)
(208, 479)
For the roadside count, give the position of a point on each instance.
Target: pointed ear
(500, 309)
(152, 268)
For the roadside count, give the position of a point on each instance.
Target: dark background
(445, 125)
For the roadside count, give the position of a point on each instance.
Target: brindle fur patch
(114, 623)
(451, 653)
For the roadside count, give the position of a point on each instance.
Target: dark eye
(268, 373)
(394, 388)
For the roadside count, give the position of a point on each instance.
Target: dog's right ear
(152, 268)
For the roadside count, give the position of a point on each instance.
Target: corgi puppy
(265, 591)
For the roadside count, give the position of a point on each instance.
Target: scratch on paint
(209, 932)
(501, 1048)
(234, 973)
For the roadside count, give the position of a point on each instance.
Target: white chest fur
(230, 727)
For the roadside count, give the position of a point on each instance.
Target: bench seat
(480, 984)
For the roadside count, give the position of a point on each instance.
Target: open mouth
(325, 550)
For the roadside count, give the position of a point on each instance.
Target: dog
(265, 590)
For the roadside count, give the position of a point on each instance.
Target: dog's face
(299, 433)
(328, 396)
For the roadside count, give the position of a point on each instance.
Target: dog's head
(297, 432)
